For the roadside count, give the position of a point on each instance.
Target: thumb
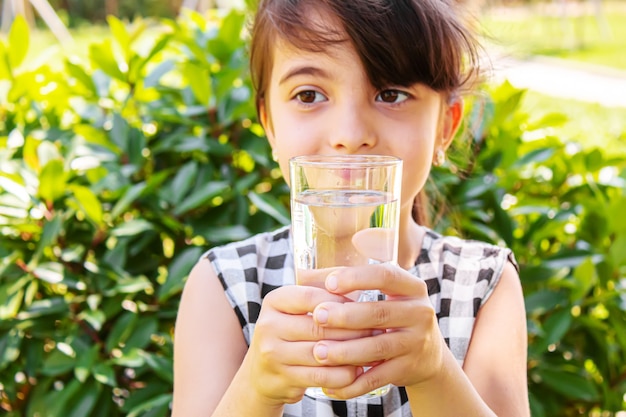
(377, 243)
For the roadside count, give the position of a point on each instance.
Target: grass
(590, 124)
(581, 36)
(540, 29)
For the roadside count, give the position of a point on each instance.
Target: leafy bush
(561, 209)
(117, 172)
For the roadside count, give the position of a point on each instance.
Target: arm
(208, 347)
(216, 374)
(494, 381)
(497, 356)
(414, 354)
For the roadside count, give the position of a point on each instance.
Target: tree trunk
(111, 7)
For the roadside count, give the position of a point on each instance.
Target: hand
(280, 364)
(410, 350)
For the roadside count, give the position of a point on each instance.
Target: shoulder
(453, 249)
(465, 254)
(266, 244)
(264, 260)
(450, 261)
(269, 251)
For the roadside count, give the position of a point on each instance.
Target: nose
(353, 128)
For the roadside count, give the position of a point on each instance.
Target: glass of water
(345, 211)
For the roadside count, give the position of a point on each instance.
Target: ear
(264, 118)
(453, 115)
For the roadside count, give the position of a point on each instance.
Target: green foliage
(118, 171)
(561, 209)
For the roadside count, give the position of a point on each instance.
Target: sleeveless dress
(460, 275)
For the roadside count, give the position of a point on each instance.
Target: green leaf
(101, 56)
(127, 199)
(19, 39)
(52, 181)
(199, 80)
(121, 330)
(178, 270)
(182, 182)
(120, 34)
(84, 401)
(557, 325)
(202, 196)
(51, 272)
(80, 74)
(132, 228)
(85, 363)
(14, 188)
(5, 70)
(541, 301)
(96, 136)
(161, 401)
(10, 303)
(120, 132)
(88, 202)
(162, 366)
(104, 373)
(10, 347)
(51, 230)
(45, 307)
(153, 78)
(618, 249)
(227, 233)
(271, 206)
(132, 285)
(570, 385)
(131, 358)
(535, 156)
(95, 318)
(58, 363)
(140, 338)
(585, 277)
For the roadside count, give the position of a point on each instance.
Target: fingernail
(331, 282)
(359, 371)
(320, 351)
(330, 392)
(377, 332)
(321, 315)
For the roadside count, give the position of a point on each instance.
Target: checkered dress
(460, 275)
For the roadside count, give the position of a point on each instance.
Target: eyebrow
(303, 70)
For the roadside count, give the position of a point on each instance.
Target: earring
(440, 158)
(274, 155)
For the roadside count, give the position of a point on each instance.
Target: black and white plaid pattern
(460, 275)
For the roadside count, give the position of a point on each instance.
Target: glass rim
(340, 161)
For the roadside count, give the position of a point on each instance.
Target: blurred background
(129, 145)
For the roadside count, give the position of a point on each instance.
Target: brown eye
(309, 97)
(391, 96)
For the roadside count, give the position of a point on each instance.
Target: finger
(373, 379)
(331, 377)
(304, 328)
(382, 315)
(376, 243)
(313, 277)
(363, 352)
(296, 299)
(388, 278)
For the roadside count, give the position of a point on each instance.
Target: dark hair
(399, 42)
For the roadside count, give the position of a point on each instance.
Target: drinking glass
(345, 211)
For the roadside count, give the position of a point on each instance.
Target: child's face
(323, 103)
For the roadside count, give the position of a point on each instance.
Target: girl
(356, 77)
